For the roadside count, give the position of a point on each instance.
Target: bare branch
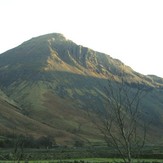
(120, 121)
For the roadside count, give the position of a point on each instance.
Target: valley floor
(88, 160)
(72, 154)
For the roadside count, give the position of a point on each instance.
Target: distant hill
(48, 83)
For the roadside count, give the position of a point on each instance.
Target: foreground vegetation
(88, 160)
(72, 154)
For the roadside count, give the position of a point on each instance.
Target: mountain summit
(53, 52)
(52, 82)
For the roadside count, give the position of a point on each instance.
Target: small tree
(18, 151)
(121, 121)
(46, 142)
(78, 143)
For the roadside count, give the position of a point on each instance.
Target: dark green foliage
(45, 142)
(21, 141)
(75, 154)
(78, 143)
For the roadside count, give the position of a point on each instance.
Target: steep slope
(54, 82)
(53, 52)
(12, 120)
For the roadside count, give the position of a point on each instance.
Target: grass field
(88, 160)
(77, 155)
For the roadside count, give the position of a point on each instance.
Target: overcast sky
(129, 30)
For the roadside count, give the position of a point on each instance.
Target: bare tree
(121, 121)
(18, 145)
(18, 148)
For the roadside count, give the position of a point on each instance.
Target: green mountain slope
(55, 81)
(12, 120)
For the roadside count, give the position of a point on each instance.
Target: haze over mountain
(48, 83)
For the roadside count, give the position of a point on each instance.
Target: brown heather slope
(12, 121)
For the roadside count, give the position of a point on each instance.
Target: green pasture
(88, 160)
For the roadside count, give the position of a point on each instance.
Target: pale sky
(129, 30)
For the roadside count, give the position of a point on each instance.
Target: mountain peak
(53, 52)
(51, 36)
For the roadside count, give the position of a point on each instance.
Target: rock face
(51, 82)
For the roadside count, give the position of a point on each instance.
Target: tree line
(21, 141)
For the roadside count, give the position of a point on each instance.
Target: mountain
(51, 83)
